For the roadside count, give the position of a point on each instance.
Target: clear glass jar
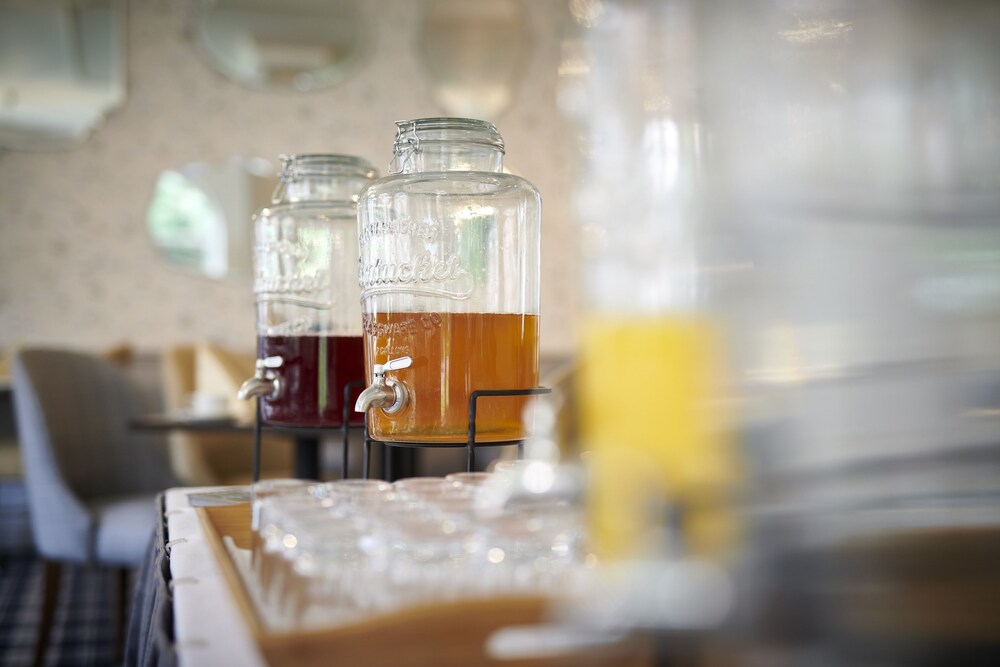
(652, 364)
(450, 261)
(306, 287)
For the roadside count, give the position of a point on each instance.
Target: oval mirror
(199, 217)
(474, 53)
(295, 45)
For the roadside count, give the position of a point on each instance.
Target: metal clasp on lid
(287, 173)
(406, 145)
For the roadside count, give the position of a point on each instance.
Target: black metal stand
(307, 456)
(256, 442)
(345, 426)
(470, 444)
(307, 438)
(399, 458)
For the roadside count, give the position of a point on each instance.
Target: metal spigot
(386, 393)
(265, 382)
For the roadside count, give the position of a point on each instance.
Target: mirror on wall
(293, 45)
(199, 217)
(474, 54)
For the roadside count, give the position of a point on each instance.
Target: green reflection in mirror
(181, 219)
(199, 215)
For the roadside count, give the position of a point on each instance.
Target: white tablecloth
(210, 630)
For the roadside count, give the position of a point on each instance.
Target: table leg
(400, 462)
(307, 457)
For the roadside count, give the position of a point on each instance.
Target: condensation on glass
(450, 260)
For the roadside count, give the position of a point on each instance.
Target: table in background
(307, 440)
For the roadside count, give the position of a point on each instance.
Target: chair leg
(50, 597)
(121, 620)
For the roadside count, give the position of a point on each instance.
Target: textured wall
(76, 264)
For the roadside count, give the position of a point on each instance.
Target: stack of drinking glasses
(328, 553)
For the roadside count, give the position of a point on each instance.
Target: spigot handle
(397, 364)
(269, 362)
(264, 382)
(392, 365)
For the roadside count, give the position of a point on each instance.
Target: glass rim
(408, 132)
(304, 164)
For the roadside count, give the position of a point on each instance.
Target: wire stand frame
(470, 444)
(345, 429)
(311, 431)
(346, 426)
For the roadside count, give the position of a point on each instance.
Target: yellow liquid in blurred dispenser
(656, 435)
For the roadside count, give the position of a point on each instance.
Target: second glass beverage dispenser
(449, 273)
(306, 287)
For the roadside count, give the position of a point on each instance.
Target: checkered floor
(84, 631)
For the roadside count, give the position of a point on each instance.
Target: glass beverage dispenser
(306, 287)
(450, 259)
(661, 458)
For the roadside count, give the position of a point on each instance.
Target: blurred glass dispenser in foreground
(858, 171)
(450, 259)
(791, 269)
(306, 287)
(652, 360)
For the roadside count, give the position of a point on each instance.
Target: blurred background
(771, 247)
(106, 103)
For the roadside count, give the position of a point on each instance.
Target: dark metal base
(400, 457)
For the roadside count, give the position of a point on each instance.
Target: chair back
(73, 411)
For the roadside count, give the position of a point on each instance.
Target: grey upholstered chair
(91, 481)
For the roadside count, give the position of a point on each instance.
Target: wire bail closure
(406, 145)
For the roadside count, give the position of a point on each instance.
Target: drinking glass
(358, 493)
(426, 554)
(331, 571)
(417, 489)
(281, 519)
(469, 478)
(532, 549)
(260, 491)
